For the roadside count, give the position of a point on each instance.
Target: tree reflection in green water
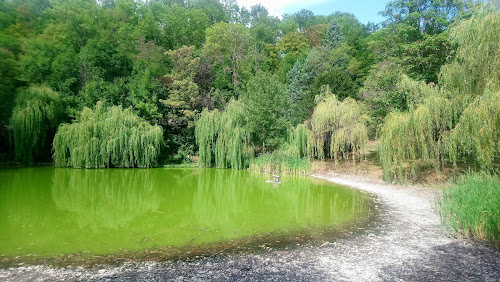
(239, 203)
(105, 198)
(50, 211)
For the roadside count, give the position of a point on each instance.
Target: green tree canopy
(227, 45)
(337, 128)
(107, 137)
(415, 34)
(35, 117)
(266, 103)
(459, 119)
(223, 138)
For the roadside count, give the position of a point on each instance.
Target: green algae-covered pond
(65, 215)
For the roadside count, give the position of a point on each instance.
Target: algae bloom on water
(62, 212)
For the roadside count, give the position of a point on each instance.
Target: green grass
(181, 165)
(471, 207)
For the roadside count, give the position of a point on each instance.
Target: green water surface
(50, 211)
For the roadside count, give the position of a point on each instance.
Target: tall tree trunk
(235, 75)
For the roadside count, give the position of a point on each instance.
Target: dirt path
(407, 244)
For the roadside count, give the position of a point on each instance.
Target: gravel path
(407, 244)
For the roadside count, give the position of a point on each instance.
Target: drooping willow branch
(107, 137)
(298, 138)
(222, 137)
(37, 112)
(415, 139)
(337, 128)
(461, 117)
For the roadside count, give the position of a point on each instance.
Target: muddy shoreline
(407, 243)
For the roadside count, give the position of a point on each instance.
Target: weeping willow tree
(415, 139)
(477, 62)
(222, 137)
(34, 118)
(440, 130)
(338, 128)
(107, 137)
(298, 137)
(459, 118)
(478, 131)
(474, 74)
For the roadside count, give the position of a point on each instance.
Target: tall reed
(470, 207)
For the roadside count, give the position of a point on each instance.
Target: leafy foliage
(223, 138)
(480, 195)
(282, 161)
(107, 137)
(316, 34)
(301, 101)
(299, 137)
(338, 128)
(456, 120)
(416, 35)
(477, 62)
(477, 133)
(183, 91)
(184, 26)
(339, 81)
(35, 116)
(227, 45)
(415, 139)
(381, 92)
(266, 105)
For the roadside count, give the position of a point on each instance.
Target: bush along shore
(471, 207)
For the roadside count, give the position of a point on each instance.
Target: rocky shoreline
(407, 243)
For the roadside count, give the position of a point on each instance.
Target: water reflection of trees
(25, 195)
(47, 210)
(105, 198)
(238, 202)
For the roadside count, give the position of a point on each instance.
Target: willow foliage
(37, 112)
(460, 118)
(478, 131)
(440, 130)
(299, 138)
(414, 139)
(282, 161)
(222, 137)
(107, 137)
(338, 128)
(477, 60)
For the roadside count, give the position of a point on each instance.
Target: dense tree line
(223, 81)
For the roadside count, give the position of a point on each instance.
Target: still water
(50, 212)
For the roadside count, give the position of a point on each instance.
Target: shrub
(470, 207)
(286, 160)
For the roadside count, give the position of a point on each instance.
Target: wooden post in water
(276, 178)
(275, 181)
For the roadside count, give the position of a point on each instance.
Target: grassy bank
(471, 207)
(280, 163)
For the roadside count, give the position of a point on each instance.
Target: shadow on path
(457, 261)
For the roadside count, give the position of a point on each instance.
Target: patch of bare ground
(370, 168)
